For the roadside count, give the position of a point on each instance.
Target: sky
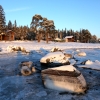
(69, 14)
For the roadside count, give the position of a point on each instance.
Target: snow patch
(65, 68)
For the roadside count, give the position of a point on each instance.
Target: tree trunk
(47, 37)
(38, 37)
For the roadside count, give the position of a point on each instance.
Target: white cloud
(17, 9)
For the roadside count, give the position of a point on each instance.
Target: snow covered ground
(17, 87)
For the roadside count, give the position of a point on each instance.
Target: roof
(68, 37)
(8, 31)
(2, 33)
(58, 39)
(5, 33)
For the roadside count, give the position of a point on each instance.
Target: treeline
(32, 33)
(42, 28)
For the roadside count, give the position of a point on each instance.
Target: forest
(41, 28)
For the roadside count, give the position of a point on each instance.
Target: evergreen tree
(15, 24)
(2, 20)
(10, 26)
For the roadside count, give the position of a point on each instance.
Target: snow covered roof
(58, 39)
(68, 37)
(2, 33)
(8, 31)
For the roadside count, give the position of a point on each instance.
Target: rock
(51, 65)
(54, 59)
(77, 50)
(64, 79)
(68, 55)
(25, 71)
(27, 68)
(23, 49)
(55, 49)
(81, 54)
(87, 62)
(15, 48)
(41, 94)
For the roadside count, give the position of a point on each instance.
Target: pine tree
(10, 26)
(15, 24)
(2, 20)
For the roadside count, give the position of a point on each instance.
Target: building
(69, 39)
(9, 35)
(58, 39)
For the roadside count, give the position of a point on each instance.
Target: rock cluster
(16, 48)
(58, 72)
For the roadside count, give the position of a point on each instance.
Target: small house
(69, 39)
(9, 35)
(58, 39)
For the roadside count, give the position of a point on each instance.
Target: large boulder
(64, 79)
(54, 59)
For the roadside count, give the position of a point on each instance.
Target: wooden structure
(69, 39)
(58, 39)
(9, 35)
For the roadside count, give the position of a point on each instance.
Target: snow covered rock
(68, 55)
(86, 62)
(90, 64)
(81, 54)
(27, 68)
(55, 49)
(64, 79)
(54, 59)
(77, 50)
(12, 48)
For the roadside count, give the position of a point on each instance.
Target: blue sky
(70, 14)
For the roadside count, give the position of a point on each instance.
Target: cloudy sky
(70, 14)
